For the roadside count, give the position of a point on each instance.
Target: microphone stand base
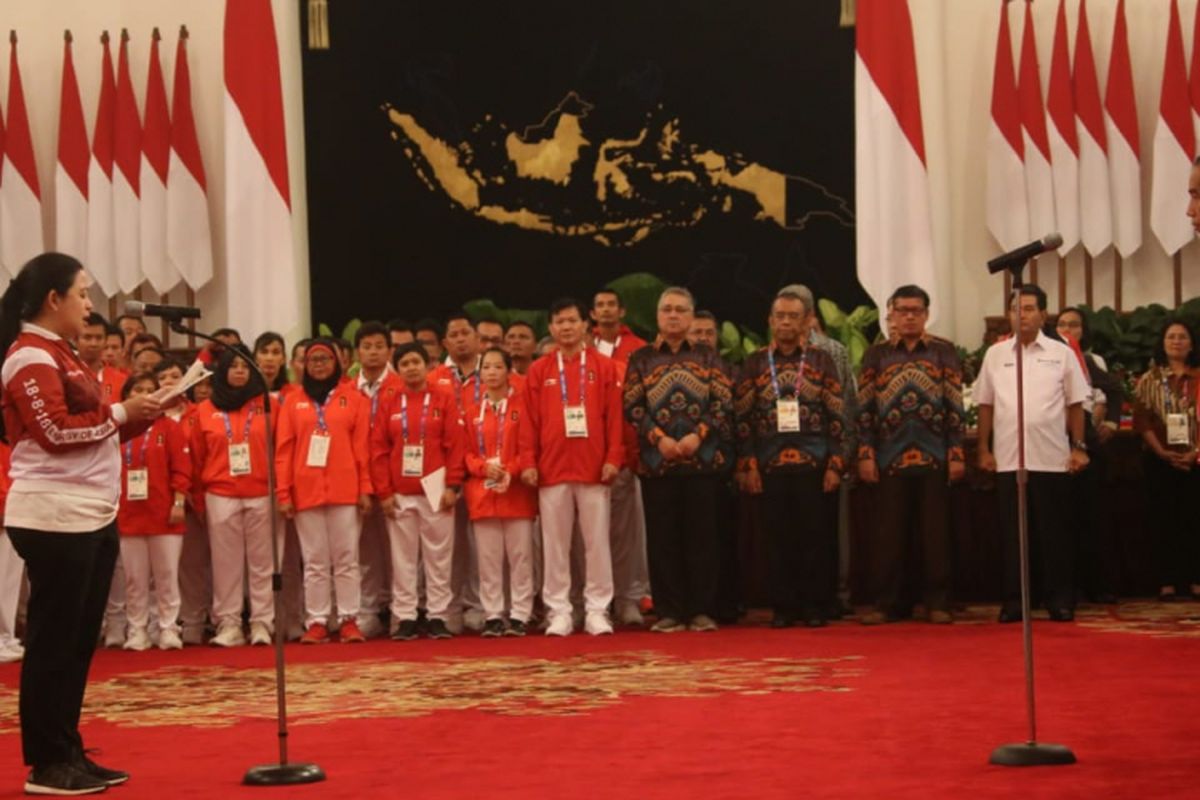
(1032, 754)
(283, 774)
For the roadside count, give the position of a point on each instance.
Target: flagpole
(1062, 283)
(1178, 268)
(1087, 279)
(1118, 280)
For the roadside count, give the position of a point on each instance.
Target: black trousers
(795, 512)
(1051, 548)
(69, 576)
(913, 510)
(729, 574)
(1095, 534)
(681, 544)
(1171, 500)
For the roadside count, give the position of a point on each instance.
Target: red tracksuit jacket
(444, 441)
(169, 466)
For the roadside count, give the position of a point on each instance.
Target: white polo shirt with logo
(1053, 381)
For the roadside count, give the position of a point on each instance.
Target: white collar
(29, 327)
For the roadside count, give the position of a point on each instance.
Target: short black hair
(563, 303)
(409, 347)
(302, 343)
(96, 318)
(145, 338)
(371, 328)
(1033, 290)
(113, 330)
(429, 324)
(136, 378)
(503, 354)
(167, 363)
(343, 345)
(267, 338)
(219, 332)
(704, 313)
(613, 292)
(1085, 330)
(399, 325)
(457, 315)
(488, 321)
(1160, 351)
(910, 291)
(520, 323)
(140, 321)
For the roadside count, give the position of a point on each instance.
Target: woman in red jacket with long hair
(229, 453)
(500, 505)
(418, 432)
(322, 461)
(156, 475)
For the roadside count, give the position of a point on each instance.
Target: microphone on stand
(170, 313)
(1015, 258)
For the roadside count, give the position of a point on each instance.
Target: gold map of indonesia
(638, 185)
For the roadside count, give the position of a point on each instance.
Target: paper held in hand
(434, 485)
(196, 373)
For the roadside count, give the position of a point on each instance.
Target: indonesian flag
(189, 237)
(1007, 204)
(894, 230)
(1039, 177)
(101, 248)
(1124, 165)
(1064, 139)
(71, 171)
(20, 197)
(1174, 146)
(258, 218)
(1095, 209)
(127, 162)
(156, 143)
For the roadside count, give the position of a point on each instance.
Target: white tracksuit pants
(420, 536)
(157, 557)
(329, 543)
(560, 504)
(497, 539)
(239, 532)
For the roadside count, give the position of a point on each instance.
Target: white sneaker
(628, 613)
(370, 626)
(597, 624)
(11, 652)
(114, 635)
(169, 639)
(260, 633)
(454, 622)
(560, 625)
(474, 618)
(138, 639)
(229, 634)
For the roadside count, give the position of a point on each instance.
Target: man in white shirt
(1055, 389)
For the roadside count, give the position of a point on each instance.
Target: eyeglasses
(908, 311)
(319, 360)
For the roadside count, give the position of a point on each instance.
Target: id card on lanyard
(574, 417)
(239, 453)
(413, 455)
(787, 409)
(1178, 430)
(607, 348)
(500, 410)
(318, 442)
(137, 480)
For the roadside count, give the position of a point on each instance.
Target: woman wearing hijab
(229, 451)
(322, 461)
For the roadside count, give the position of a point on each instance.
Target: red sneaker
(349, 632)
(316, 634)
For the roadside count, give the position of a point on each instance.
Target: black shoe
(406, 631)
(516, 627)
(1009, 614)
(113, 777)
(1061, 614)
(62, 780)
(438, 629)
(493, 628)
(782, 621)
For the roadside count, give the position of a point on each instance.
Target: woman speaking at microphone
(61, 511)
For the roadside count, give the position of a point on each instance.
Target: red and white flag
(101, 247)
(1039, 177)
(259, 253)
(894, 231)
(1007, 204)
(127, 166)
(1064, 139)
(1174, 146)
(1095, 209)
(156, 144)
(71, 171)
(189, 237)
(1124, 149)
(21, 236)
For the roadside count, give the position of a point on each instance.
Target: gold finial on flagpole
(849, 14)
(318, 24)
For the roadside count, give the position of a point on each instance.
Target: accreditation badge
(575, 422)
(413, 465)
(488, 483)
(1177, 429)
(137, 484)
(239, 459)
(787, 415)
(318, 450)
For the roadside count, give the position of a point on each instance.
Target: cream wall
(40, 24)
(955, 41)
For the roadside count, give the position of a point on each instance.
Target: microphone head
(135, 308)
(1053, 241)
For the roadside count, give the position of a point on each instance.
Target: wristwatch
(1079, 444)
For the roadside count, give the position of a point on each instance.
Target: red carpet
(899, 711)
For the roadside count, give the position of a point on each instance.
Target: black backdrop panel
(522, 151)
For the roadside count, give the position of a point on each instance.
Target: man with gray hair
(679, 400)
(839, 502)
